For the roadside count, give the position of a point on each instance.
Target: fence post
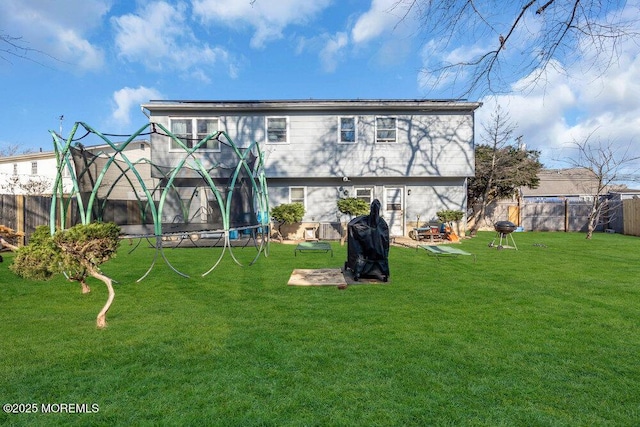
(566, 215)
(20, 214)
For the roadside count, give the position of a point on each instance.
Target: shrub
(40, 259)
(449, 215)
(288, 213)
(78, 252)
(353, 206)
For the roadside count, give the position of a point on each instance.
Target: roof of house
(563, 183)
(314, 104)
(42, 155)
(38, 155)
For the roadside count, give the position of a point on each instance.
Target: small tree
(449, 216)
(606, 163)
(502, 167)
(287, 213)
(77, 251)
(353, 206)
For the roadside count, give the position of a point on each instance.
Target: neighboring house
(35, 173)
(118, 183)
(561, 202)
(574, 184)
(413, 155)
(32, 173)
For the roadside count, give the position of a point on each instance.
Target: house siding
(432, 156)
(426, 146)
(19, 183)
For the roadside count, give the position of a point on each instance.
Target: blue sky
(109, 56)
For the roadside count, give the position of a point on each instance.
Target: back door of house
(394, 210)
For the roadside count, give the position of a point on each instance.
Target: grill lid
(505, 227)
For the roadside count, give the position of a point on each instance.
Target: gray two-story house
(413, 155)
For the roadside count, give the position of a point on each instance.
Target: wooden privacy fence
(631, 216)
(24, 213)
(561, 215)
(555, 216)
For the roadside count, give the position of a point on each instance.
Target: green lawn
(544, 336)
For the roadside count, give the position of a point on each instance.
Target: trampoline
(186, 200)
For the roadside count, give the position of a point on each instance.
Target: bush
(40, 259)
(288, 213)
(353, 206)
(449, 215)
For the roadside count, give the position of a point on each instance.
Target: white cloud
(588, 96)
(54, 29)
(127, 98)
(159, 36)
(332, 51)
(383, 16)
(267, 17)
(570, 106)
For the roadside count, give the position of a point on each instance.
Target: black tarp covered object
(368, 245)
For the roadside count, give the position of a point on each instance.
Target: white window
(34, 168)
(206, 127)
(297, 195)
(386, 129)
(347, 130)
(191, 131)
(364, 194)
(183, 130)
(277, 130)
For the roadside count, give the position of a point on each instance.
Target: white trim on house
(276, 132)
(348, 135)
(296, 198)
(191, 135)
(384, 131)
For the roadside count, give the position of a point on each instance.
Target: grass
(543, 336)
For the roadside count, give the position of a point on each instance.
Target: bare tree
(10, 184)
(536, 35)
(9, 150)
(36, 186)
(606, 163)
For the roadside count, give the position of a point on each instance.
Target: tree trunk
(477, 218)
(343, 232)
(594, 217)
(591, 225)
(7, 244)
(101, 320)
(85, 287)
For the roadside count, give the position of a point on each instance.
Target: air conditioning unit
(329, 231)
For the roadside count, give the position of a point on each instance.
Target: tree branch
(562, 31)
